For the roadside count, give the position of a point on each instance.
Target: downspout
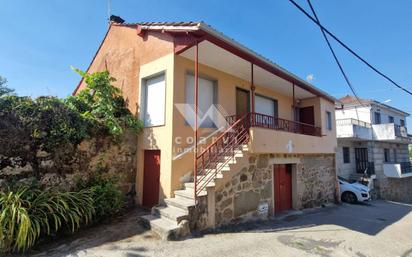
(196, 115)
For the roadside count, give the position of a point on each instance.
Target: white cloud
(310, 77)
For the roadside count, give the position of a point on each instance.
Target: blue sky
(41, 39)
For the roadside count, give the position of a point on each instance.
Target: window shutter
(154, 113)
(207, 95)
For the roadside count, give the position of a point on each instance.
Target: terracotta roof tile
(166, 23)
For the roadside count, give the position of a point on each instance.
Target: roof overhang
(237, 58)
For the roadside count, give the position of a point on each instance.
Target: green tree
(104, 103)
(4, 89)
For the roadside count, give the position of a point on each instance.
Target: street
(376, 229)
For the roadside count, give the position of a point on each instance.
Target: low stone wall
(313, 184)
(64, 166)
(395, 189)
(316, 181)
(239, 199)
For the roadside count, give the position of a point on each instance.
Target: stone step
(183, 204)
(171, 212)
(228, 161)
(188, 194)
(165, 228)
(209, 174)
(191, 185)
(223, 169)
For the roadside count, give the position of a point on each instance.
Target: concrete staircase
(172, 220)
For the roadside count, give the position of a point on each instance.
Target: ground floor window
(346, 155)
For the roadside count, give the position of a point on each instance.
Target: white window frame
(189, 99)
(274, 102)
(329, 125)
(144, 100)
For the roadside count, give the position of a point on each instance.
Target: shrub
(107, 196)
(51, 122)
(27, 213)
(102, 102)
(47, 119)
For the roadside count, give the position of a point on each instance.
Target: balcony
(390, 132)
(352, 128)
(397, 170)
(356, 129)
(269, 122)
(270, 134)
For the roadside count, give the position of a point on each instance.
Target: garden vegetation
(31, 212)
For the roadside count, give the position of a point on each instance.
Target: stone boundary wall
(395, 189)
(314, 183)
(63, 167)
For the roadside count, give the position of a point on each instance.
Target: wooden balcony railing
(270, 122)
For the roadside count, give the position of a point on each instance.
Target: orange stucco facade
(131, 58)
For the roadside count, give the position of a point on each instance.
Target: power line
(349, 49)
(334, 55)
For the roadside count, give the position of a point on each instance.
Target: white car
(353, 192)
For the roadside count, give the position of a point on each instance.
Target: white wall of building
(357, 113)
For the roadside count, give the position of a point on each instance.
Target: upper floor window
(154, 101)
(346, 155)
(387, 155)
(391, 119)
(377, 118)
(402, 123)
(329, 120)
(267, 106)
(207, 94)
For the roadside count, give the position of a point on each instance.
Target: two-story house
(372, 137)
(275, 150)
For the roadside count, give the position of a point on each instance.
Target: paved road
(377, 229)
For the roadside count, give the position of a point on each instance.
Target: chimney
(116, 19)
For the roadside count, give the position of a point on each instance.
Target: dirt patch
(319, 247)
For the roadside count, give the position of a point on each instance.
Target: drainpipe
(196, 114)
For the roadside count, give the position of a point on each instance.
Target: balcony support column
(293, 105)
(252, 87)
(196, 101)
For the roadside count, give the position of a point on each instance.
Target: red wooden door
(283, 187)
(151, 178)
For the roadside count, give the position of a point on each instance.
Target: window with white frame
(267, 106)
(346, 155)
(329, 120)
(154, 101)
(206, 96)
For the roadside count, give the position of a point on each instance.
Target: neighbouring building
(275, 151)
(372, 137)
